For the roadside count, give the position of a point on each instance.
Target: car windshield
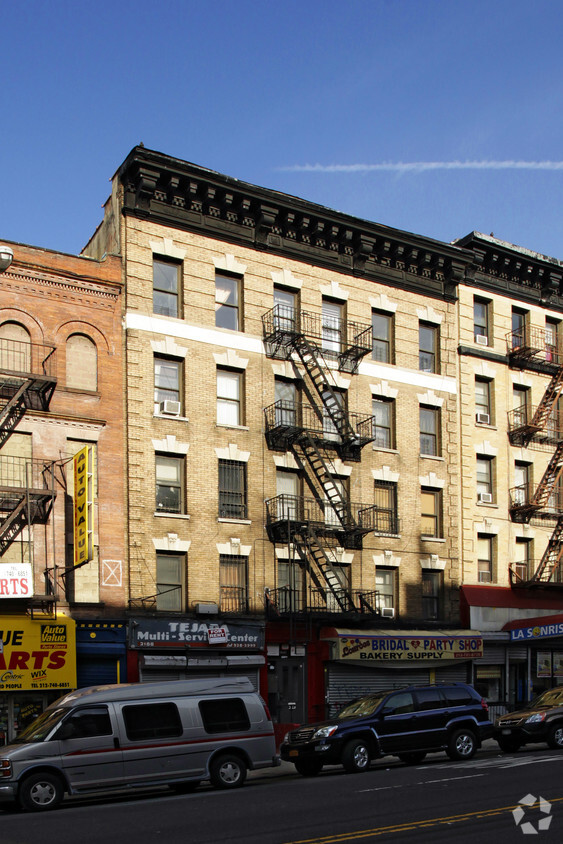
(363, 706)
(553, 697)
(42, 727)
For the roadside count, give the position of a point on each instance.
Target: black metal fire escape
(528, 349)
(317, 431)
(27, 382)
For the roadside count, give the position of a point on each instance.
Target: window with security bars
(429, 431)
(385, 500)
(170, 582)
(166, 288)
(232, 490)
(233, 574)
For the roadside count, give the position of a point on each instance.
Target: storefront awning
(406, 646)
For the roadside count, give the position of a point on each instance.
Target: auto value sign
(414, 647)
(37, 654)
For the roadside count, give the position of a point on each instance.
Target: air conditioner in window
(485, 498)
(171, 408)
(481, 339)
(483, 418)
(388, 612)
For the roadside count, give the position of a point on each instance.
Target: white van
(136, 735)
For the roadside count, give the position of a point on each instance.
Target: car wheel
(308, 767)
(555, 737)
(356, 757)
(509, 744)
(184, 787)
(40, 792)
(412, 758)
(227, 771)
(462, 745)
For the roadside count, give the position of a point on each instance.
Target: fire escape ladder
(309, 548)
(551, 559)
(13, 525)
(550, 478)
(312, 360)
(319, 464)
(12, 412)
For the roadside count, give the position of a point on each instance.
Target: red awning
(520, 623)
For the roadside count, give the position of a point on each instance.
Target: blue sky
(309, 97)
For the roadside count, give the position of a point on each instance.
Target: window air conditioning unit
(483, 418)
(485, 498)
(388, 612)
(481, 339)
(171, 408)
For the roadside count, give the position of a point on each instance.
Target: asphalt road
(436, 801)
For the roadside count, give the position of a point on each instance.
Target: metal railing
(320, 514)
(26, 358)
(288, 600)
(333, 335)
(288, 415)
(234, 599)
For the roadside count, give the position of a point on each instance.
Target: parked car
(540, 721)
(408, 723)
(174, 733)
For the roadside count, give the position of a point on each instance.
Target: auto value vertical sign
(37, 654)
(83, 506)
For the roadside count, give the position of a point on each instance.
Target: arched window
(15, 347)
(81, 363)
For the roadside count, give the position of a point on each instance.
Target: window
(385, 500)
(519, 322)
(15, 347)
(224, 715)
(169, 582)
(520, 396)
(287, 492)
(485, 480)
(169, 484)
(457, 696)
(342, 576)
(152, 721)
(520, 493)
(229, 393)
(429, 431)
(233, 583)
(431, 513)
(429, 699)
(385, 589)
(88, 722)
(286, 402)
(431, 594)
(167, 379)
(383, 423)
(481, 321)
(399, 704)
(483, 413)
(81, 363)
(291, 586)
(523, 559)
(332, 316)
(551, 338)
(382, 330)
(227, 302)
(485, 547)
(165, 288)
(428, 347)
(232, 490)
(285, 309)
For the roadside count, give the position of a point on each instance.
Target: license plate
(507, 732)
(294, 753)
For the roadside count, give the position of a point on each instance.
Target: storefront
(542, 638)
(101, 652)
(369, 661)
(177, 649)
(37, 665)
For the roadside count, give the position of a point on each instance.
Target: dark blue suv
(408, 723)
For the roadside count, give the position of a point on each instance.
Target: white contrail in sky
(421, 166)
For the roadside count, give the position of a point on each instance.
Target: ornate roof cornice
(181, 195)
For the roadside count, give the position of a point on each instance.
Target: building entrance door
(286, 689)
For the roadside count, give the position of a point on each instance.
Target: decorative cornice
(16, 279)
(178, 194)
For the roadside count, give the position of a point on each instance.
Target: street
(436, 801)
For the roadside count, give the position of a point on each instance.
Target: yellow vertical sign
(83, 506)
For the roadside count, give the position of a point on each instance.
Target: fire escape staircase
(523, 505)
(26, 496)
(313, 453)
